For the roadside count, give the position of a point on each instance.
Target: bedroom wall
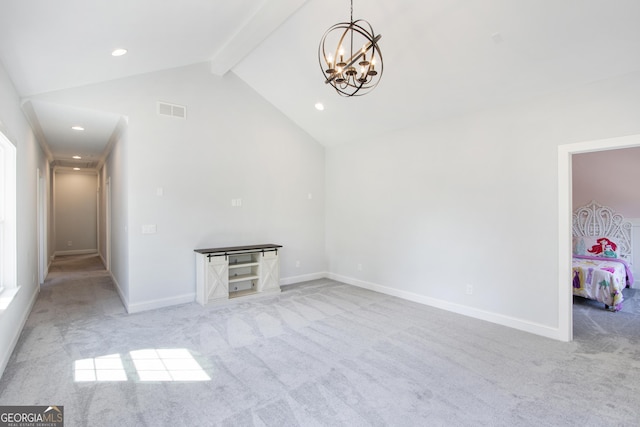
(29, 158)
(181, 176)
(462, 213)
(610, 178)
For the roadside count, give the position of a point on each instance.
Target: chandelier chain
(352, 11)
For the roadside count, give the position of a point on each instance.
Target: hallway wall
(15, 308)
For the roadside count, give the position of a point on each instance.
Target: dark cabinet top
(233, 249)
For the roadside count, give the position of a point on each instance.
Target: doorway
(565, 208)
(75, 212)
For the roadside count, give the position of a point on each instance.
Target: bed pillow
(605, 247)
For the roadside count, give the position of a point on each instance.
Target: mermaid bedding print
(595, 246)
(598, 273)
(601, 279)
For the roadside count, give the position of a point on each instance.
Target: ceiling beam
(258, 27)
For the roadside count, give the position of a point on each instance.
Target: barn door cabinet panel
(235, 271)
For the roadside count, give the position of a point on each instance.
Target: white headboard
(600, 221)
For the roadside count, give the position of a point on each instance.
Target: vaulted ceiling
(442, 57)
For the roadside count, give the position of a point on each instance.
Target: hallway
(78, 285)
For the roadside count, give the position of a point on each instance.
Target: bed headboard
(602, 221)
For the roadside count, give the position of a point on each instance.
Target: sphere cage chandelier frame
(340, 70)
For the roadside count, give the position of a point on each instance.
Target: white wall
(30, 158)
(115, 176)
(232, 145)
(472, 201)
(102, 214)
(76, 212)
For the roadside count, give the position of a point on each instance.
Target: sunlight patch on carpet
(168, 364)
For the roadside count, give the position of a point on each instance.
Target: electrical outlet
(297, 263)
(69, 243)
(359, 267)
(469, 289)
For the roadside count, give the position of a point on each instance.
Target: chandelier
(352, 67)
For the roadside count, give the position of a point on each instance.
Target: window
(7, 214)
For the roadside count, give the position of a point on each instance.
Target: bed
(602, 254)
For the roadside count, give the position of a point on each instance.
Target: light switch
(159, 191)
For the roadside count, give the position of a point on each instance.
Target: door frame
(565, 210)
(107, 222)
(41, 231)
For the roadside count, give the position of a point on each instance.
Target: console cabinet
(235, 271)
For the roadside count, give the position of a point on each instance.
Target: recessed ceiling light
(76, 169)
(119, 52)
(319, 106)
(77, 157)
(77, 128)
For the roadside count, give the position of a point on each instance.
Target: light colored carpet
(321, 353)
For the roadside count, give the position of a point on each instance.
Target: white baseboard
(121, 294)
(284, 281)
(191, 297)
(76, 252)
(161, 302)
(500, 319)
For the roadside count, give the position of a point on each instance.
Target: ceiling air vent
(173, 110)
